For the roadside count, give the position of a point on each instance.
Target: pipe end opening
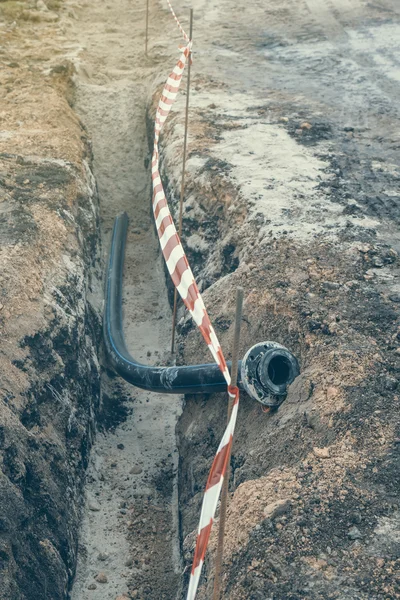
(279, 370)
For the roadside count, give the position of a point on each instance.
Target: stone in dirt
(102, 578)
(354, 533)
(103, 556)
(321, 452)
(394, 297)
(136, 470)
(94, 506)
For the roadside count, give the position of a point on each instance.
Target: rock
(136, 470)
(390, 383)
(50, 16)
(380, 562)
(276, 509)
(101, 578)
(321, 452)
(354, 533)
(333, 327)
(103, 556)
(313, 420)
(332, 392)
(306, 125)
(128, 562)
(313, 325)
(330, 285)
(120, 446)
(394, 297)
(94, 506)
(40, 5)
(122, 597)
(37, 16)
(92, 586)
(377, 262)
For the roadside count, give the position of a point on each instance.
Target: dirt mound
(49, 382)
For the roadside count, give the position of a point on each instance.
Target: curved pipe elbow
(264, 375)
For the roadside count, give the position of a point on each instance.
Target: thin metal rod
(183, 177)
(225, 485)
(147, 27)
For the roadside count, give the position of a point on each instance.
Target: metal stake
(225, 485)
(183, 177)
(147, 26)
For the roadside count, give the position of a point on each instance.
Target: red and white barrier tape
(185, 35)
(184, 281)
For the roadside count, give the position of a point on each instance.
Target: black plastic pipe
(265, 372)
(195, 379)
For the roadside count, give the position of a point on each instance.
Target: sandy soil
(130, 531)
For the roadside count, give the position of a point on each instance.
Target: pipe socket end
(267, 370)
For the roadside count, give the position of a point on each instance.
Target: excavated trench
(130, 534)
(131, 528)
(132, 479)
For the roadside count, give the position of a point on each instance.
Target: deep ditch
(130, 537)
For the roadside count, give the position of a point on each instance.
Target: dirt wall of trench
(293, 507)
(49, 331)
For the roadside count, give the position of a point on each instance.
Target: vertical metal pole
(183, 176)
(147, 26)
(225, 485)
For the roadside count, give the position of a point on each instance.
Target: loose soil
(292, 192)
(50, 334)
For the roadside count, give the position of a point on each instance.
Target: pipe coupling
(267, 370)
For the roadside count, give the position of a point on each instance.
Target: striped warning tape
(185, 283)
(185, 35)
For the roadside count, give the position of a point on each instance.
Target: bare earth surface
(293, 193)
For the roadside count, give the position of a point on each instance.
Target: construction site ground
(292, 192)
